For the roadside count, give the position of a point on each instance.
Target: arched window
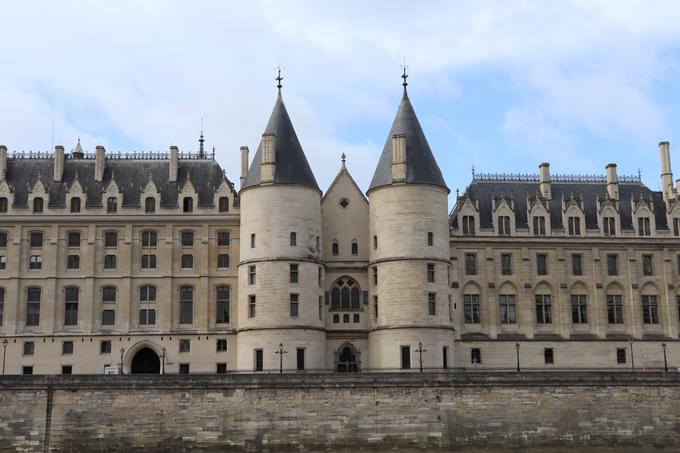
(75, 204)
(335, 248)
(223, 204)
(112, 205)
(345, 295)
(150, 205)
(188, 204)
(37, 205)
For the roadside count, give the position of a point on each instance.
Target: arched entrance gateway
(347, 359)
(145, 361)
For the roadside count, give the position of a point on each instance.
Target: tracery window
(345, 295)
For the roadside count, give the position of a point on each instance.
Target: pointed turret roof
(291, 163)
(421, 167)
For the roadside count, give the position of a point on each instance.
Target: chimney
(398, 158)
(268, 169)
(544, 180)
(174, 164)
(3, 162)
(99, 163)
(666, 173)
(244, 164)
(612, 182)
(58, 163)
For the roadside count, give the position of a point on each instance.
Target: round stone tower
(409, 253)
(279, 271)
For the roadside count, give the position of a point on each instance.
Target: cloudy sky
(499, 85)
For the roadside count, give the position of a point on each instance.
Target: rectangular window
(149, 239)
(186, 305)
(508, 307)
(3, 262)
(650, 310)
(109, 294)
(222, 261)
(647, 267)
(542, 264)
(108, 317)
(620, 355)
(470, 264)
(294, 305)
(222, 305)
(66, 369)
(184, 346)
(259, 360)
(29, 348)
(111, 239)
(148, 261)
(468, 225)
(2, 305)
(293, 238)
(110, 261)
(105, 347)
(355, 248)
(33, 307)
(35, 262)
(320, 308)
(506, 264)
(430, 273)
(221, 345)
(3, 240)
(187, 238)
(36, 240)
(445, 357)
(223, 238)
(503, 225)
(543, 309)
(574, 226)
(4, 204)
(187, 261)
(432, 303)
(614, 309)
(184, 367)
(539, 225)
(221, 368)
(26, 370)
(405, 357)
(293, 273)
(73, 262)
(375, 307)
(549, 356)
(67, 348)
(475, 356)
(612, 264)
(375, 275)
(676, 226)
(252, 240)
(577, 264)
(579, 309)
(252, 275)
(71, 296)
(644, 226)
(609, 226)
(335, 248)
(430, 238)
(300, 359)
(73, 239)
(251, 306)
(471, 309)
(147, 317)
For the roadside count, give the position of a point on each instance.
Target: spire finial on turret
(404, 75)
(343, 158)
(279, 78)
(201, 141)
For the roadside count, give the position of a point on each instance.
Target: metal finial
(404, 75)
(473, 172)
(201, 140)
(279, 78)
(343, 158)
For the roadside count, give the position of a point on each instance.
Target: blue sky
(499, 85)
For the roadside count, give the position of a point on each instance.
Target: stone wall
(339, 412)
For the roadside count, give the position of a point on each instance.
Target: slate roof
(291, 163)
(131, 176)
(421, 167)
(485, 191)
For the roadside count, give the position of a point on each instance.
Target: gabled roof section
(291, 163)
(343, 173)
(421, 167)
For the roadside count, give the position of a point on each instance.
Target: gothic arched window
(345, 295)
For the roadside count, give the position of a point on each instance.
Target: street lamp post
(420, 351)
(632, 358)
(280, 352)
(163, 360)
(517, 349)
(4, 354)
(665, 360)
(122, 352)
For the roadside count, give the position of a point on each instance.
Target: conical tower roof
(421, 167)
(291, 163)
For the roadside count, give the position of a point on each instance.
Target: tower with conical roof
(408, 260)
(280, 268)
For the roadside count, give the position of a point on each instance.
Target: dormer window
(574, 226)
(75, 204)
(504, 225)
(223, 204)
(539, 225)
(469, 225)
(150, 205)
(609, 226)
(112, 205)
(188, 204)
(644, 226)
(37, 205)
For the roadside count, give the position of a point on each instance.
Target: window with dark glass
(375, 307)
(609, 226)
(221, 345)
(35, 262)
(29, 348)
(647, 267)
(579, 309)
(471, 309)
(574, 224)
(294, 273)
(188, 204)
(184, 346)
(3, 205)
(186, 305)
(294, 305)
(3, 239)
(148, 261)
(432, 304)
(223, 204)
(375, 242)
(33, 306)
(676, 226)
(475, 356)
(405, 357)
(430, 238)
(612, 264)
(549, 356)
(503, 225)
(111, 239)
(621, 355)
(67, 347)
(149, 239)
(222, 261)
(67, 369)
(36, 240)
(221, 368)
(109, 294)
(73, 262)
(110, 261)
(2, 305)
(223, 238)
(251, 306)
(375, 275)
(105, 347)
(71, 296)
(184, 368)
(430, 273)
(300, 353)
(345, 295)
(577, 264)
(335, 248)
(75, 204)
(259, 360)
(614, 309)
(108, 317)
(468, 225)
(37, 205)
(252, 274)
(644, 226)
(293, 238)
(470, 263)
(222, 305)
(506, 264)
(187, 261)
(542, 264)
(355, 247)
(539, 225)
(252, 240)
(508, 307)
(147, 301)
(149, 205)
(112, 205)
(650, 310)
(543, 308)
(187, 238)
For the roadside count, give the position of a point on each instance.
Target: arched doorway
(146, 361)
(347, 359)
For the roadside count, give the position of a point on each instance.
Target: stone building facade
(155, 263)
